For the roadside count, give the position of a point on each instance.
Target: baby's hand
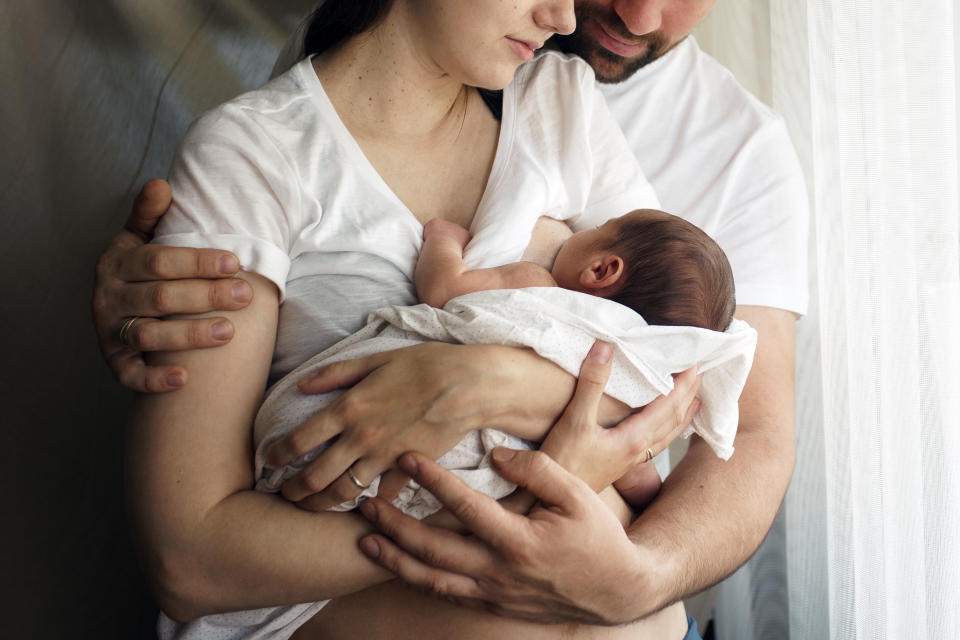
(440, 228)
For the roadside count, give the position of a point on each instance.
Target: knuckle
(438, 584)
(311, 481)
(144, 336)
(197, 333)
(352, 410)
(99, 303)
(339, 493)
(158, 263)
(161, 297)
(467, 511)
(299, 442)
(104, 267)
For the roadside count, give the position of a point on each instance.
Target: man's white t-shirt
(720, 158)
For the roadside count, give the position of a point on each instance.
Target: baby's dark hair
(675, 274)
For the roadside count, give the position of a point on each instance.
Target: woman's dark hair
(336, 21)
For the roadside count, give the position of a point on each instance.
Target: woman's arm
(210, 543)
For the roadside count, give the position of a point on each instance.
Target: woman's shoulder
(555, 69)
(284, 104)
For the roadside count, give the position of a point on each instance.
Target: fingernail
(221, 330)
(368, 510)
(370, 547)
(227, 265)
(408, 464)
(175, 379)
(242, 292)
(601, 352)
(502, 454)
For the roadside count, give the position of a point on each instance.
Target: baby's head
(661, 266)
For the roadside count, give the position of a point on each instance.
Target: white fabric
(559, 325)
(868, 544)
(276, 177)
(721, 159)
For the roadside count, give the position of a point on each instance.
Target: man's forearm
(711, 515)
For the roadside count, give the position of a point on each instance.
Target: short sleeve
(233, 189)
(618, 183)
(765, 230)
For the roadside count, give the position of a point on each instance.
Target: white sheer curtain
(868, 542)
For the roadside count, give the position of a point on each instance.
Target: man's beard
(608, 66)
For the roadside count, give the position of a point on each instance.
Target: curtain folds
(870, 530)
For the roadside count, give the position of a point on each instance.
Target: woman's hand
(425, 397)
(599, 456)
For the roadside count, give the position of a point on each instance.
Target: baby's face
(581, 250)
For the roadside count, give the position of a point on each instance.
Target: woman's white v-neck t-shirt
(275, 177)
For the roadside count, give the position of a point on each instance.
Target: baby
(661, 266)
(656, 264)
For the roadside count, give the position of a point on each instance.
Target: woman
(340, 162)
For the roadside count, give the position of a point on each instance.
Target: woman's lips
(523, 48)
(613, 43)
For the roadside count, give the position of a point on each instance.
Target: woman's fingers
(661, 421)
(594, 373)
(345, 373)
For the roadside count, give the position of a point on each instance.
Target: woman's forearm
(525, 393)
(211, 543)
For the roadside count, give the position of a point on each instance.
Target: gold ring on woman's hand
(125, 329)
(649, 455)
(355, 480)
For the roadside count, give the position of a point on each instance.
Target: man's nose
(640, 16)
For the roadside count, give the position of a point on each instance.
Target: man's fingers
(150, 204)
(147, 334)
(594, 373)
(541, 475)
(156, 299)
(416, 573)
(478, 512)
(438, 548)
(159, 262)
(134, 374)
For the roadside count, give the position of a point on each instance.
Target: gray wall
(95, 96)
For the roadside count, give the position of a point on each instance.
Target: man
(715, 156)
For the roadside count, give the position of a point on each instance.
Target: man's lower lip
(522, 50)
(613, 45)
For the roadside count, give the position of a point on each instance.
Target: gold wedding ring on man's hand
(649, 455)
(125, 329)
(355, 480)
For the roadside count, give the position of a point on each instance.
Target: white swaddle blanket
(558, 324)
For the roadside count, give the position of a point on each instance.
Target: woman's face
(482, 42)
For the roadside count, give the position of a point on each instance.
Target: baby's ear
(604, 273)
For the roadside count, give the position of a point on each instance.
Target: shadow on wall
(96, 97)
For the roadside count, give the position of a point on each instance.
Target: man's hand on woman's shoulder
(138, 284)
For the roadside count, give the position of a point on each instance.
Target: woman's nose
(640, 16)
(557, 16)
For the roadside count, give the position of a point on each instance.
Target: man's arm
(711, 516)
(708, 518)
(136, 279)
